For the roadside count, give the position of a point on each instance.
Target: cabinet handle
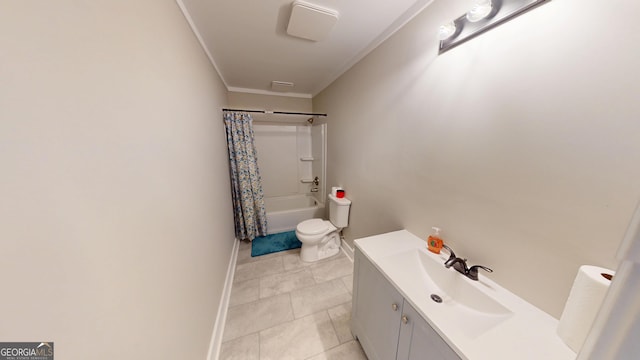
(405, 319)
(394, 307)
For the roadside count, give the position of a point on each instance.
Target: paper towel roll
(588, 290)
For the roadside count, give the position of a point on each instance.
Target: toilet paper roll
(589, 289)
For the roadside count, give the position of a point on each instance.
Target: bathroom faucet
(472, 272)
(461, 265)
(452, 257)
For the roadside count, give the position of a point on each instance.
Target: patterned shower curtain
(246, 185)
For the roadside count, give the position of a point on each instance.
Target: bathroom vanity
(407, 305)
(386, 324)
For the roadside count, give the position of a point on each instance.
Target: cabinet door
(376, 311)
(418, 341)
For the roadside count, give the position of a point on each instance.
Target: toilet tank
(339, 211)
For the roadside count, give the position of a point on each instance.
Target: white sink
(464, 303)
(480, 320)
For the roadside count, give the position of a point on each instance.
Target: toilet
(321, 238)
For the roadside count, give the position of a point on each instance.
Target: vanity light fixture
(483, 16)
(480, 10)
(446, 30)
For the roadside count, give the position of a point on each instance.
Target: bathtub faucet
(314, 189)
(316, 182)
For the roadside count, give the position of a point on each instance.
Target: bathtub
(285, 212)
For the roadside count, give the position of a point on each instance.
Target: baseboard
(221, 318)
(346, 249)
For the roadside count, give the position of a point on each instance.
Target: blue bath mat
(275, 242)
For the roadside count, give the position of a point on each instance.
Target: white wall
(280, 148)
(277, 158)
(303, 151)
(281, 140)
(115, 218)
(248, 101)
(522, 144)
(318, 152)
(269, 102)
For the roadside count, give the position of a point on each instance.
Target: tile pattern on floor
(284, 308)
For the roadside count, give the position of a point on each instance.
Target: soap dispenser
(434, 242)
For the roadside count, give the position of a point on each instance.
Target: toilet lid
(312, 226)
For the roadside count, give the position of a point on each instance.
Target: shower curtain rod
(276, 112)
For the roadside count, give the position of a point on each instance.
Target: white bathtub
(285, 212)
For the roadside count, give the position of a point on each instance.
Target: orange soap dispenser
(434, 242)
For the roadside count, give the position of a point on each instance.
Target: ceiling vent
(281, 86)
(311, 22)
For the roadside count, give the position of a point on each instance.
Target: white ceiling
(247, 41)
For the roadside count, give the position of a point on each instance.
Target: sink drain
(436, 298)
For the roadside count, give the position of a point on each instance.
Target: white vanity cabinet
(419, 341)
(386, 325)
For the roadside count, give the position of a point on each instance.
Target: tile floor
(282, 308)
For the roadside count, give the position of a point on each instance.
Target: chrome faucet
(461, 265)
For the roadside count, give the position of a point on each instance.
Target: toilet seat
(313, 227)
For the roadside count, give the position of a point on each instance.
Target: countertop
(526, 333)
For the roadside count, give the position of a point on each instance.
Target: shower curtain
(246, 185)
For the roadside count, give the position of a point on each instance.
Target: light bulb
(480, 10)
(445, 31)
